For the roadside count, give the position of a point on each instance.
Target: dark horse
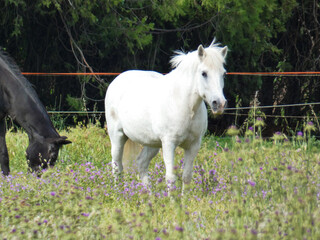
(19, 100)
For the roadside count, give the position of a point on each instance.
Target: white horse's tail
(130, 153)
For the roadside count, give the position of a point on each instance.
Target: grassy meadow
(242, 188)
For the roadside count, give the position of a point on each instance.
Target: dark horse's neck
(20, 101)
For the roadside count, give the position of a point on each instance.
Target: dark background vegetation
(116, 35)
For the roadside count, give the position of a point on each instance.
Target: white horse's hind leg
(189, 156)
(117, 144)
(143, 161)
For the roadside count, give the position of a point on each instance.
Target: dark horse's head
(43, 152)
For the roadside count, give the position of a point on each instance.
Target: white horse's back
(131, 83)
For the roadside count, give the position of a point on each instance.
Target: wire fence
(228, 111)
(273, 106)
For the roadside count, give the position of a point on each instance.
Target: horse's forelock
(213, 54)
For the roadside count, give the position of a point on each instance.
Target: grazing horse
(19, 100)
(166, 111)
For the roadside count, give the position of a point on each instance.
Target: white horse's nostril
(216, 104)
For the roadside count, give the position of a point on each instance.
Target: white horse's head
(206, 67)
(210, 76)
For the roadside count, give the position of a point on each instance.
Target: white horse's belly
(139, 130)
(144, 139)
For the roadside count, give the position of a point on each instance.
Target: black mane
(7, 63)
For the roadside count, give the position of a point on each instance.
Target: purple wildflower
(309, 127)
(252, 183)
(232, 131)
(264, 193)
(179, 229)
(164, 231)
(300, 134)
(52, 193)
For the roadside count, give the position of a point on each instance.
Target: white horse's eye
(204, 74)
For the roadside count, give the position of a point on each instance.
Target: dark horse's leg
(4, 158)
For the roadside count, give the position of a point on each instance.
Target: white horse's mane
(190, 59)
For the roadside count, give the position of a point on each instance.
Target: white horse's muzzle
(217, 106)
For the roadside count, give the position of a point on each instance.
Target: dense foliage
(242, 188)
(116, 35)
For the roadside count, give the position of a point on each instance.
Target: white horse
(166, 111)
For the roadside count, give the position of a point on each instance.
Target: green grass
(249, 190)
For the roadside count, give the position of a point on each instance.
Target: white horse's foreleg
(168, 149)
(189, 156)
(143, 161)
(117, 145)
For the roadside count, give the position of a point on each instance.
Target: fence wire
(227, 110)
(225, 113)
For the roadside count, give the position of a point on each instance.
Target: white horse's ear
(213, 42)
(224, 51)
(201, 52)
